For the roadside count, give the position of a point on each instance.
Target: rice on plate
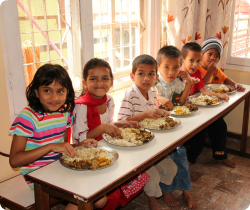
(161, 123)
(130, 137)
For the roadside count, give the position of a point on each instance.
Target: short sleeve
(80, 126)
(111, 109)
(23, 125)
(126, 108)
(219, 77)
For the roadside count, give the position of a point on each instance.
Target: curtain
(196, 20)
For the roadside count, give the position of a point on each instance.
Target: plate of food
(130, 137)
(162, 123)
(221, 88)
(204, 100)
(90, 158)
(186, 109)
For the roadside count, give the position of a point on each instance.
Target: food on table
(158, 124)
(203, 100)
(183, 110)
(130, 137)
(223, 89)
(89, 158)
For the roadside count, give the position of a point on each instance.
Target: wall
(235, 117)
(5, 140)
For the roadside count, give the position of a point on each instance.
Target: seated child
(138, 103)
(217, 131)
(39, 131)
(170, 88)
(212, 50)
(94, 112)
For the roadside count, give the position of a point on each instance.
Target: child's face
(98, 82)
(52, 97)
(192, 61)
(145, 76)
(169, 68)
(210, 56)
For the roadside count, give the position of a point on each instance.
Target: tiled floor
(214, 185)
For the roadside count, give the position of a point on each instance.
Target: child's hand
(65, 148)
(88, 142)
(186, 77)
(195, 81)
(111, 130)
(130, 124)
(212, 67)
(167, 103)
(239, 87)
(156, 113)
(224, 96)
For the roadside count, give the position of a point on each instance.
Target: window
(239, 42)
(116, 27)
(115, 30)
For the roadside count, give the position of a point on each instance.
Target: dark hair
(143, 59)
(91, 64)
(46, 75)
(193, 46)
(168, 52)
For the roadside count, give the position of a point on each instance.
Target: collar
(143, 100)
(162, 80)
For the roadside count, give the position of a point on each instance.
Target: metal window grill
(41, 42)
(116, 25)
(240, 45)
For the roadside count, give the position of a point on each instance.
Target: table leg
(245, 126)
(41, 198)
(84, 206)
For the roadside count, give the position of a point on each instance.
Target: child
(212, 50)
(169, 60)
(138, 103)
(94, 112)
(37, 139)
(217, 131)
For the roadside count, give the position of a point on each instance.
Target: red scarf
(93, 115)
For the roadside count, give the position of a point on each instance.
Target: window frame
(235, 63)
(12, 52)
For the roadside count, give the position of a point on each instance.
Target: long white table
(84, 187)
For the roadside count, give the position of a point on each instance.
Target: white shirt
(80, 126)
(133, 102)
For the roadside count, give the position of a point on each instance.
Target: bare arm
(207, 92)
(185, 94)
(238, 86)
(19, 157)
(110, 129)
(211, 69)
(152, 113)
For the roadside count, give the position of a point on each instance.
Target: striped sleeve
(23, 125)
(70, 120)
(126, 108)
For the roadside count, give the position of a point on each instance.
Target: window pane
(117, 37)
(125, 10)
(125, 36)
(126, 55)
(46, 38)
(118, 58)
(96, 12)
(104, 11)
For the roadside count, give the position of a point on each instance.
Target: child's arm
(165, 102)
(152, 113)
(19, 157)
(110, 129)
(238, 86)
(211, 69)
(207, 92)
(188, 83)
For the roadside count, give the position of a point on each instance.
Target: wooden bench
(15, 193)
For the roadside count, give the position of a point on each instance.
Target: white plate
(214, 86)
(176, 125)
(106, 137)
(198, 94)
(191, 113)
(114, 159)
